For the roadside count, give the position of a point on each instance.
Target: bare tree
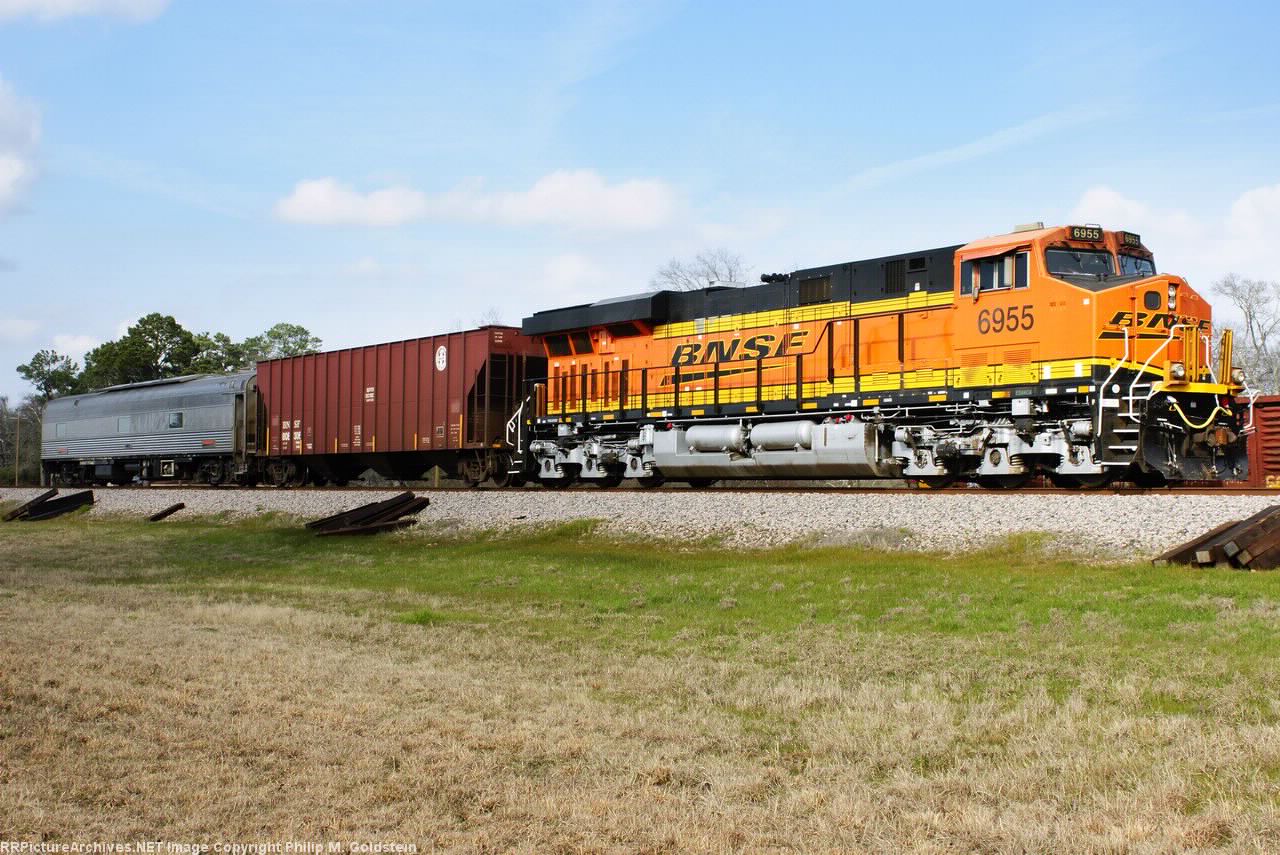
(491, 316)
(1257, 338)
(709, 267)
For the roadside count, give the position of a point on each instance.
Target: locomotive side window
(558, 345)
(815, 290)
(1151, 300)
(995, 274)
(581, 342)
(175, 420)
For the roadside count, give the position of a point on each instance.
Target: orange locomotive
(1047, 350)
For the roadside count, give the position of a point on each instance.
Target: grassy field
(200, 680)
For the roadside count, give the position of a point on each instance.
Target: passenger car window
(175, 420)
(60, 429)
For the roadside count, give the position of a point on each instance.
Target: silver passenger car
(199, 427)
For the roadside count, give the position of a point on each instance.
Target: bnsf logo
(1154, 320)
(757, 347)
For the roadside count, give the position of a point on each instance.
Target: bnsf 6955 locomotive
(1048, 350)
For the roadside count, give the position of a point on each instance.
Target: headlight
(1177, 371)
(1173, 296)
(1237, 376)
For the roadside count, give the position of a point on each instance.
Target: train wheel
(1140, 478)
(1080, 482)
(1005, 482)
(651, 481)
(701, 483)
(934, 482)
(611, 480)
(569, 479)
(502, 476)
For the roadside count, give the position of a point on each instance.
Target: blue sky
(379, 170)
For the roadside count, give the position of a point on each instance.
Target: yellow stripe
(995, 375)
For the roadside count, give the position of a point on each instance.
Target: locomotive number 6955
(1011, 319)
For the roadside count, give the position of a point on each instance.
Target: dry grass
(132, 711)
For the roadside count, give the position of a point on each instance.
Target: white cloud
(75, 346)
(324, 201)
(19, 134)
(17, 329)
(579, 199)
(52, 10)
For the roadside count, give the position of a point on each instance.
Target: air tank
(782, 436)
(719, 438)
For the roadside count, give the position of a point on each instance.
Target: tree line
(156, 347)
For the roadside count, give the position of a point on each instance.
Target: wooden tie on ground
(21, 510)
(169, 511)
(386, 515)
(46, 507)
(1252, 544)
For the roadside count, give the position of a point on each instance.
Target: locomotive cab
(1121, 353)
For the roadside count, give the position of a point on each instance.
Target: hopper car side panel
(399, 408)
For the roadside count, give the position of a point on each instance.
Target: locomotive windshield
(1079, 262)
(1132, 265)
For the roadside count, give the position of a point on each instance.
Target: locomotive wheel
(651, 481)
(569, 479)
(935, 482)
(1141, 478)
(701, 483)
(1005, 482)
(1080, 482)
(611, 480)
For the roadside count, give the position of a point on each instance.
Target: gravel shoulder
(1096, 525)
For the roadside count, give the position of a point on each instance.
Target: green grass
(1028, 619)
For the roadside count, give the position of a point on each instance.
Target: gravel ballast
(1127, 526)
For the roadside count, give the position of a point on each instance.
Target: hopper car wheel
(502, 476)
(1005, 482)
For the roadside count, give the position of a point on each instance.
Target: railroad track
(588, 488)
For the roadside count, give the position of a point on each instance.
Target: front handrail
(1143, 370)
